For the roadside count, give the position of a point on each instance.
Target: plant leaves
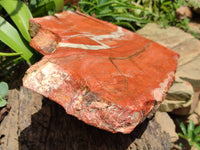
(43, 9)
(59, 5)
(10, 54)
(197, 138)
(123, 17)
(3, 89)
(183, 136)
(190, 129)
(11, 37)
(99, 6)
(20, 14)
(197, 146)
(46, 7)
(102, 1)
(182, 126)
(3, 102)
(125, 24)
(130, 19)
(197, 130)
(105, 10)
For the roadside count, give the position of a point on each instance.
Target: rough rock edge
(75, 107)
(87, 106)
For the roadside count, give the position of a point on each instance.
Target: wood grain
(38, 123)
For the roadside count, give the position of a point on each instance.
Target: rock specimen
(104, 75)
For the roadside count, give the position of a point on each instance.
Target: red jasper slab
(102, 74)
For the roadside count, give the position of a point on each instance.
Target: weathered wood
(37, 123)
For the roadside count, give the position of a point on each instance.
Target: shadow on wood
(41, 124)
(52, 128)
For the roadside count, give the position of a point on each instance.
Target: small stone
(195, 118)
(102, 74)
(183, 12)
(197, 110)
(167, 125)
(180, 95)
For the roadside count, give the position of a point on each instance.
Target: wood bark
(35, 122)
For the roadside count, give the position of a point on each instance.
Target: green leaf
(3, 102)
(197, 146)
(100, 6)
(130, 19)
(167, 3)
(190, 129)
(11, 37)
(46, 7)
(43, 9)
(59, 5)
(86, 3)
(102, 1)
(182, 126)
(125, 24)
(105, 10)
(197, 139)
(20, 14)
(197, 130)
(123, 17)
(3, 89)
(131, 7)
(183, 136)
(10, 54)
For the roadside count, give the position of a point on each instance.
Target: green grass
(191, 134)
(135, 14)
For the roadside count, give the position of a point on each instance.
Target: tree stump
(38, 123)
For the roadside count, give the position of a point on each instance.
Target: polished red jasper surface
(104, 75)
